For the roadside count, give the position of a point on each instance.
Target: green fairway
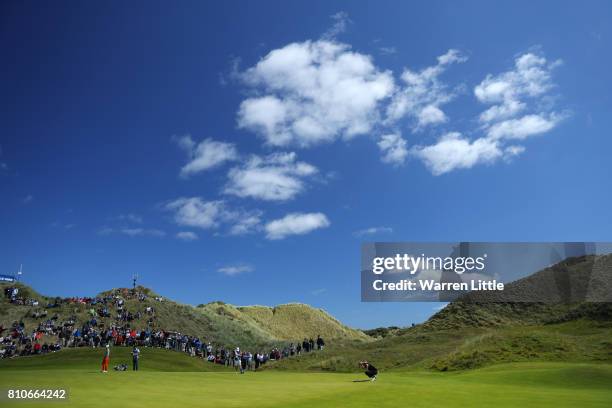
(508, 385)
(87, 359)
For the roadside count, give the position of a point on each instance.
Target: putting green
(510, 385)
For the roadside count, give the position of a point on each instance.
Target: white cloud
(373, 231)
(295, 224)
(313, 92)
(341, 21)
(423, 93)
(452, 56)
(510, 94)
(452, 151)
(206, 155)
(128, 228)
(393, 148)
(507, 109)
(142, 232)
(131, 232)
(246, 223)
(276, 177)
(137, 219)
(512, 151)
(187, 235)
(523, 127)
(233, 270)
(430, 115)
(195, 212)
(530, 78)
(27, 199)
(319, 91)
(318, 292)
(387, 50)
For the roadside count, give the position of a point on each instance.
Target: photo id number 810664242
(34, 394)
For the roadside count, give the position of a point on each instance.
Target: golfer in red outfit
(106, 359)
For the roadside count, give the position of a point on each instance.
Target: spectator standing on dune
(258, 358)
(238, 360)
(244, 360)
(249, 360)
(106, 358)
(320, 342)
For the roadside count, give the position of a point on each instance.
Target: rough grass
(464, 314)
(296, 320)
(468, 348)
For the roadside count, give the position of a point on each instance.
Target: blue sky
(243, 151)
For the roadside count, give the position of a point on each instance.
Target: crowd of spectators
(108, 322)
(13, 296)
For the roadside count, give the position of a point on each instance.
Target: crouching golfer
(106, 359)
(371, 371)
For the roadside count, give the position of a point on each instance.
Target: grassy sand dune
(294, 320)
(467, 348)
(264, 324)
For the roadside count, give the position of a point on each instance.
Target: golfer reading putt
(371, 371)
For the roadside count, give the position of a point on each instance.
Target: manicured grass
(508, 385)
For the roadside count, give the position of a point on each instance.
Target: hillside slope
(470, 333)
(561, 287)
